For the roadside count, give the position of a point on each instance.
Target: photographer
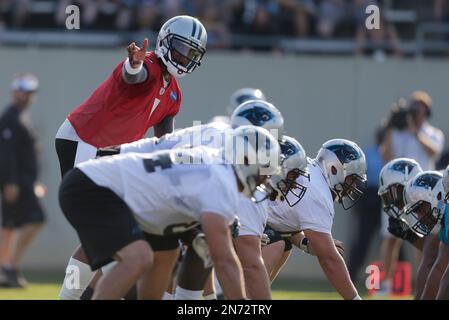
(409, 135)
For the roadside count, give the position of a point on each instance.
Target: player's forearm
(432, 283)
(443, 291)
(230, 275)
(336, 272)
(146, 145)
(133, 75)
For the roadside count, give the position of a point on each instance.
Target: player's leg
(155, 281)
(195, 268)
(192, 276)
(105, 226)
(257, 282)
(132, 262)
(281, 263)
(272, 254)
(443, 290)
(209, 290)
(70, 153)
(433, 280)
(429, 255)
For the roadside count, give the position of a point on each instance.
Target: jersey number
(162, 161)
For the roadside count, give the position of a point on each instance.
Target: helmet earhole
(439, 196)
(334, 170)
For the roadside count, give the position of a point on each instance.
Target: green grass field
(46, 287)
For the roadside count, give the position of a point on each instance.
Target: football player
(252, 216)
(142, 92)
(443, 292)
(115, 202)
(435, 278)
(393, 178)
(337, 174)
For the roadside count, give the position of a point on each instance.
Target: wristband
(132, 70)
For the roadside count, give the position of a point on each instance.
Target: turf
(46, 287)
(49, 291)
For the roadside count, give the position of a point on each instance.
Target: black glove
(401, 230)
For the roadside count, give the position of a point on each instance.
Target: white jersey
(210, 135)
(315, 211)
(167, 197)
(253, 217)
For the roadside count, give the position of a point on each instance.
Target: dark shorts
(103, 221)
(276, 236)
(172, 241)
(26, 210)
(162, 243)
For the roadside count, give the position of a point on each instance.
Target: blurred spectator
(441, 10)
(256, 17)
(294, 17)
(15, 12)
(22, 214)
(148, 15)
(213, 16)
(379, 38)
(330, 14)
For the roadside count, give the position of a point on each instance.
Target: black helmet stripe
(200, 32)
(193, 28)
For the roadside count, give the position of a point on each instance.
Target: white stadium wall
(320, 97)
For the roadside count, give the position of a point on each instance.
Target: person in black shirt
(22, 215)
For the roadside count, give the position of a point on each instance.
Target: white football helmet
(344, 166)
(261, 114)
(253, 152)
(181, 44)
(393, 178)
(293, 165)
(424, 202)
(243, 95)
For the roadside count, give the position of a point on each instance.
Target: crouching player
(114, 202)
(338, 173)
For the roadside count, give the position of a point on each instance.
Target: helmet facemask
(180, 55)
(421, 217)
(350, 191)
(289, 189)
(393, 200)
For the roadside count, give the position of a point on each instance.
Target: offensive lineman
(338, 173)
(108, 210)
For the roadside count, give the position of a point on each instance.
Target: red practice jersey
(118, 112)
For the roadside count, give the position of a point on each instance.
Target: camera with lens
(400, 112)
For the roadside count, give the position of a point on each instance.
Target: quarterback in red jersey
(141, 93)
